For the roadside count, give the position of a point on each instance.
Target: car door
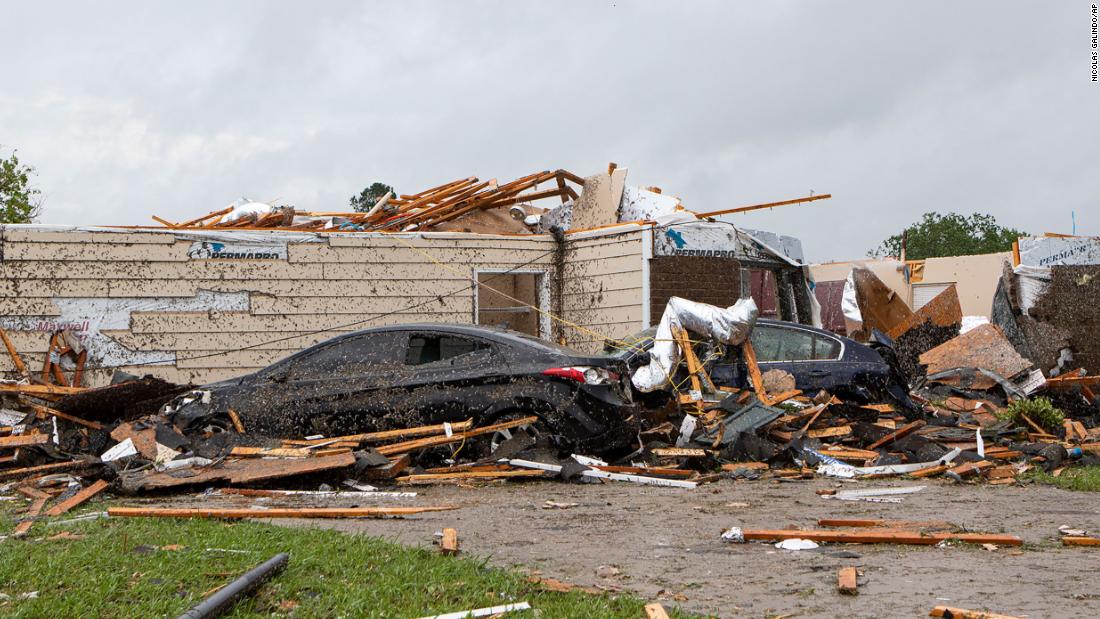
(334, 387)
(807, 354)
(445, 376)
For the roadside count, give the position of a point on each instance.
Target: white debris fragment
(796, 544)
(482, 612)
(734, 535)
(125, 449)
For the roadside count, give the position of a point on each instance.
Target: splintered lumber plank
(449, 544)
(23, 440)
(389, 471)
(31, 515)
(654, 610)
(78, 498)
(830, 432)
(679, 452)
(884, 522)
(430, 477)
(275, 512)
(245, 471)
(755, 466)
(1075, 540)
(457, 437)
(43, 411)
(754, 370)
(782, 397)
(645, 470)
(962, 613)
(56, 467)
(235, 419)
(15, 358)
(896, 434)
(846, 581)
(388, 435)
(930, 471)
(880, 537)
(971, 468)
(41, 390)
(270, 452)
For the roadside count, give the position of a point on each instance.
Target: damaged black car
(818, 360)
(407, 375)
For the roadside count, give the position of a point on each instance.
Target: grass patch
(120, 569)
(1081, 478)
(1040, 410)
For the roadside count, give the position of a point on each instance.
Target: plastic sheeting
(731, 325)
(849, 305)
(247, 208)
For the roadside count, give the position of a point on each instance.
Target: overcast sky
(896, 108)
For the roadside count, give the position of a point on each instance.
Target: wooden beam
(23, 440)
(755, 207)
(388, 435)
(896, 434)
(847, 581)
(235, 419)
(457, 437)
(40, 499)
(41, 390)
(754, 370)
(1073, 540)
(880, 537)
(433, 477)
(78, 498)
(15, 358)
(275, 512)
(56, 467)
(44, 411)
(962, 613)
(884, 522)
(449, 544)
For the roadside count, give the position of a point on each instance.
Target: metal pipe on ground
(223, 599)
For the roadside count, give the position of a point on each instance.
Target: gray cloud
(175, 109)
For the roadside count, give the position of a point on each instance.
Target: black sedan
(818, 359)
(409, 375)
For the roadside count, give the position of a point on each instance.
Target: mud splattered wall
(602, 287)
(183, 306)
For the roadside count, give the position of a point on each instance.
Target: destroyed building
(233, 291)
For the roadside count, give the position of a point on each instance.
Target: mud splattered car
(818, 359)
(408, 375)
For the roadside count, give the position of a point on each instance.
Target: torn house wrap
(731, 325)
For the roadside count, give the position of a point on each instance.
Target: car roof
(490, 333)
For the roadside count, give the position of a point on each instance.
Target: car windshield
(630, 345)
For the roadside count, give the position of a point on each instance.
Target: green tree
(952, 234)
(370, 196)
(19, 202)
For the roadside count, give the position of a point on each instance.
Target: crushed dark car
(402, 376)
(818, 360)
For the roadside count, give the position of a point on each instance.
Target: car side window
(428, 348)
(355, 355)
(778, 344)
(826, 348)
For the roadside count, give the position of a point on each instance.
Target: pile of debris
(466, 202)
(971, 414)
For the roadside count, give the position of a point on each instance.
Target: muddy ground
(665, 542)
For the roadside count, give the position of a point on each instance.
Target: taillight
(584, 374)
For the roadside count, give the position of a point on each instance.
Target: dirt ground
(665, 542)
